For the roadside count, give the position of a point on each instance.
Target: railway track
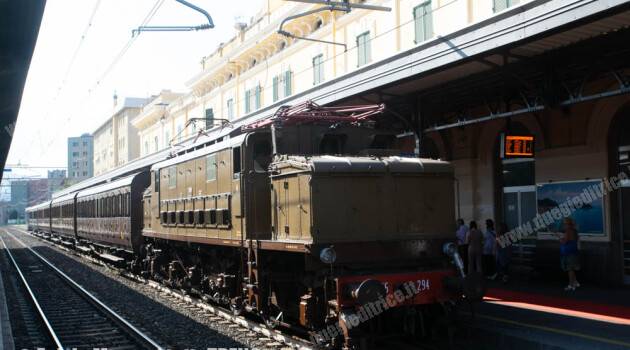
(270, 338)
(73, 317)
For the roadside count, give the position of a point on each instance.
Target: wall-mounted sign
(577, 199)
(517, 146)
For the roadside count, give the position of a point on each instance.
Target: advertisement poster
(588, 218)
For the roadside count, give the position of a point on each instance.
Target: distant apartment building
(25, 193)
(116, 141)
(57, 180)
(80, 158)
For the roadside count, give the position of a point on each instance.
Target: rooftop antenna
(209, 25)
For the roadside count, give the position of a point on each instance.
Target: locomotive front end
(377, 227)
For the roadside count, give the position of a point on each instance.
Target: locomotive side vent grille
(171, 217)
(211, 217)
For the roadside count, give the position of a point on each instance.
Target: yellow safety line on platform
(555, 330)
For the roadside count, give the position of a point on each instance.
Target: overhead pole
(345, 6)
(204, 26)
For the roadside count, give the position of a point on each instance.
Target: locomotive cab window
(332, 144)
(236, 162)
(211, 167)
(172, 177)
(262, 156)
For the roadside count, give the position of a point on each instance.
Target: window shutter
(275, 89)
(257, 106)
(287, 83)
(418, 16)
(428, 21)
(209, 119)
(368, 49)
(247, 107)
(360, 51)
(500, 5)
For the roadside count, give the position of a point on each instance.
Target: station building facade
(258, 67)
(116, 140)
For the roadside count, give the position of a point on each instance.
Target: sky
(77, 67)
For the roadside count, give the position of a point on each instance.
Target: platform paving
(541, 315)
(6, 335)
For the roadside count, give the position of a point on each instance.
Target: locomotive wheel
(237, 307)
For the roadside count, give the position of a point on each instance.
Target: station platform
(6, 335)
(541, 315)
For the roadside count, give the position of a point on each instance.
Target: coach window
(211, 167)
(236, 162)
(156, 176)
(172, 177)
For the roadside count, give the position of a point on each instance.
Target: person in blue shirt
(569, 257)
(462, 246)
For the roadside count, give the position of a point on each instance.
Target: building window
(146, 147)
(172, 177)
(423, 22)
(500, 5)
(318, 69)
(179, 133)
(167, 139)
(75, 154)
(282, 85)
(230, 109)
(75, 144)
(209, 118)
(252, 99)
(85, 143)
(363, 49)
(156, 143)
(85, 173)
(211, 167)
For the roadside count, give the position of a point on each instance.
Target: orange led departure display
(517, 146)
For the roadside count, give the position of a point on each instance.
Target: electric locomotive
(310, 220)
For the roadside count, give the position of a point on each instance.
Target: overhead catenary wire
(126, 47)
(77, 49)
(156, 6)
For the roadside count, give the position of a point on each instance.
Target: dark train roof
(19, 27)
(125, 181)
(132, 167)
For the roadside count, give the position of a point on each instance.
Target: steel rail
(132, 330)
(32, 295)
(226, 314)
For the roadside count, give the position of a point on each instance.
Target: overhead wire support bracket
(345, 6)
(209, 25)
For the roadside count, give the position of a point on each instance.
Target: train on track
(310, 220)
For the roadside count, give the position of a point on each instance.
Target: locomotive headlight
(449, 249)
(328, 255)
